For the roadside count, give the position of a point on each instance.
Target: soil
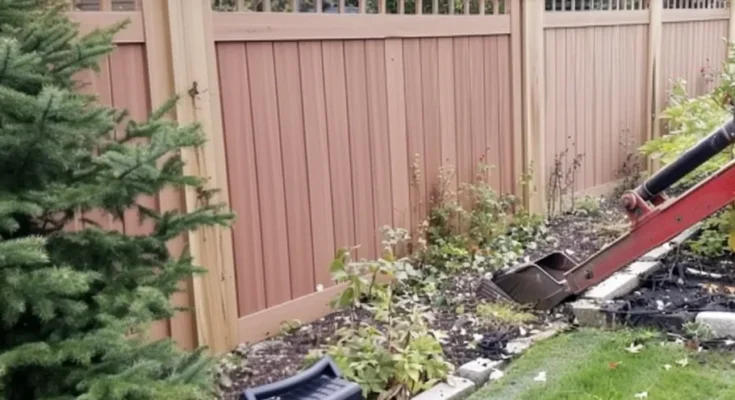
(688, 284)
(576, 234)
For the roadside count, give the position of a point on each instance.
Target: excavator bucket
(540, 284)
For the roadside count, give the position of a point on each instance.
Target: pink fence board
(595, 97)
(310, 128)
(693, 51)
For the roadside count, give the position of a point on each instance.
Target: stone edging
(472, 376)
(587, 309)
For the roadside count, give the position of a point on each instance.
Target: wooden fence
(325, 127)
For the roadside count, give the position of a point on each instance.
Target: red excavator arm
(655, 220)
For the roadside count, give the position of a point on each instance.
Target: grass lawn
(591, 364)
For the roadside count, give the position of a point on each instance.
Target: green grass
(578, 367)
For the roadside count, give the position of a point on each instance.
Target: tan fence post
(534, 113)
(161, 89)
(653, 125)
(516, 62)
(194, 69)
(731, 26)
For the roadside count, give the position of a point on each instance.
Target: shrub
(689, 121)
(75, 305)
(395, 354)
(503, 313)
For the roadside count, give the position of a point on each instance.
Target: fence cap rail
(287, 26)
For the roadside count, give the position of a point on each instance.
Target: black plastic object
(322, 381)
(540, 283)
(688, 162)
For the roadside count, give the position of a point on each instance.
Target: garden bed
(687, 285)
(464, 336)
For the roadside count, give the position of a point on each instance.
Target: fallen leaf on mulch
(709, 287)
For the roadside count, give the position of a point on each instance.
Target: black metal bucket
(540, 283)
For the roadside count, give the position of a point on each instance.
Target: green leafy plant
(370, 284)
(698, 330)
(587, 205)
(393, 355)
(393, 361)
(490, 233)
(689, 120)
(503, 313)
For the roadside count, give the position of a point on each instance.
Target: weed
(698, 330)
(632, 169)
(587, 205)
(503, 313)
(562, 182)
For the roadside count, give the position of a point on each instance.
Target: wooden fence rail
(325, 127)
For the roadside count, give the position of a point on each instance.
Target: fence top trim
(629, 17)
(91, 20)
(286, 26)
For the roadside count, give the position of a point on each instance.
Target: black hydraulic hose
(707, 148)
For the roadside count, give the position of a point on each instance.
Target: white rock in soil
(721, 322)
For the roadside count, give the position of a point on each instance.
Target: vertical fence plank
(415, 129)
(731, 23)
(317, 151)
(462, 90)
(430, 101)
(479, 131)
(533, 66)
(396, 101)
(493, 109)
(362, 170)
(653, 84)
(193, 59)
(446, 107)
(242, 167)
(274, 226)
(335, 93)
(377, 106)
(293, 148)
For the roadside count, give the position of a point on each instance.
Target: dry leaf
(634, 348)
(613, 365)
(709, 287)
(730, 289)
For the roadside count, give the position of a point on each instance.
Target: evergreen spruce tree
(75, 304)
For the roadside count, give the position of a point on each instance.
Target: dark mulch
(687, 285)
(283, 356)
